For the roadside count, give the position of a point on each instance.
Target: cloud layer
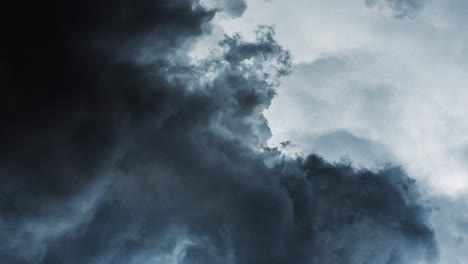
(119, 149)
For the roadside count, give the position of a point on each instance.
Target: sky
(233, 131)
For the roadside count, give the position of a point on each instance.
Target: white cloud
(399, 82)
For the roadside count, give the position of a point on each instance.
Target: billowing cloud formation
(399, 8)
(118, 149)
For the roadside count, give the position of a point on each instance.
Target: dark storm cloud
(67, 97)
(399, 8)
(110, 156)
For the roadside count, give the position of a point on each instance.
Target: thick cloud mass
(117, 149)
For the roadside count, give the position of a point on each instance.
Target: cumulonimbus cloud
(108, 158)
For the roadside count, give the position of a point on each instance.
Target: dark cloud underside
(117, 149)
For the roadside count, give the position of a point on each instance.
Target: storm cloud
(118, 148)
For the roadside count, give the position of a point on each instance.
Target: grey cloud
(109, 160)
(399, 8)
(341, 143)
(330, 93)
(450, 219)
(234, 8)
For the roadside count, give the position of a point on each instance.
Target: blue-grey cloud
(451, 220)
(399, 8)
(341, 143)
(234, 8)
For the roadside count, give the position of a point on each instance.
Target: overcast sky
(234, 132)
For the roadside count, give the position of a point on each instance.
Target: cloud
(234, 8)
(450, 218)
(400, 8)
(341, 143)
(119, 149)
(337, 93)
